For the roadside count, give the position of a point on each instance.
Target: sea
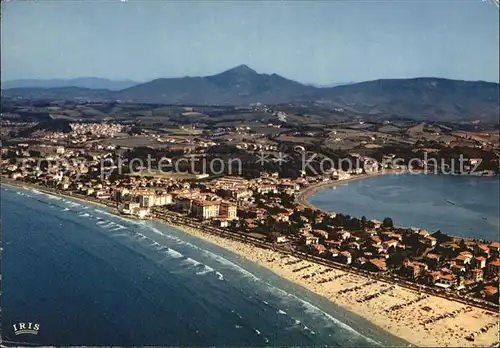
(464, 206)
(88, 277)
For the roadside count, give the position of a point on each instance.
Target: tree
(387, 222)
(363, 221)
(463, 246)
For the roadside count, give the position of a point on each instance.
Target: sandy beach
(351, 291)
(304, 195)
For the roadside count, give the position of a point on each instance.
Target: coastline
(405, 323)
(304, 195)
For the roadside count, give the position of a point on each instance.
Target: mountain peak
(242, 69)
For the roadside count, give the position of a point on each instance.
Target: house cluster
(96, 129)
(228, 198)
(83, 132)
(204, 205)
(369, 249)
(257, 146)
(411, 253)
(138, 202)
(53, 165)
(460, 266)
(265, 206)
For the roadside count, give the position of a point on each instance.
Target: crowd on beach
(406, 304)
(451, 314)
(394, 308)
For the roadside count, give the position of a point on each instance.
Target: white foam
(137, 223)
(206, 269)
(121, 235)
(174, 253)
(310, 308)
(256, 331)
(191, 262)
(309, 330)
(281, 312)
(218, 258)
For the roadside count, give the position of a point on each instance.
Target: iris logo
(26, 328)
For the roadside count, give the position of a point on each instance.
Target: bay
(456, 205)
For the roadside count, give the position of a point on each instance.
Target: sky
(319, 42)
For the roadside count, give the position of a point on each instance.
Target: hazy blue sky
(320, 41)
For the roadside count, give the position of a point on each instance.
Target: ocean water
(457, 205)
(91, 278)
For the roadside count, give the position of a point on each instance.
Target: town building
(205, 209)
(228, 210)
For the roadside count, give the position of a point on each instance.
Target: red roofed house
(480, 262)
(412, 269)
(318, 249)
(447, 279)
(308, 240)
(490, 292)
(378, 265)
(475, 275)
(390, 243)
(320, 233)
(494, 247)
(463, 260)
(430, 240)
(345, 257)
(376, 240)
(332, 252)
(467, 254)
(482, 249)
(493, 268)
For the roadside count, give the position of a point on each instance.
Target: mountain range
(82, 82)
(416, 98)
